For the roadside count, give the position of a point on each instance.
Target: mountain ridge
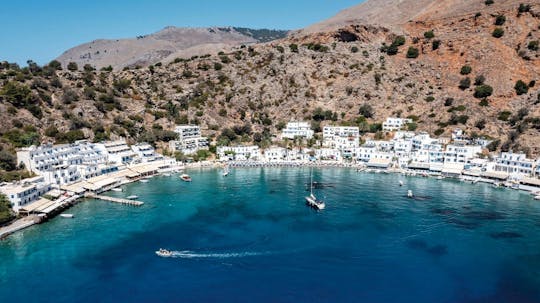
(163, 45)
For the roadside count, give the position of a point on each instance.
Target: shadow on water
(421, 245)
(505, 235)
(518, 282)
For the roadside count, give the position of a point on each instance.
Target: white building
(239, 153)
(461, 153)
(514, 164)
(341, 137)
(393, 124)
(189, 139)
(118, 151)
(25, 192)
(64, 163)
(275, 154)
(146, 153)
(297, 129)
(328, 154)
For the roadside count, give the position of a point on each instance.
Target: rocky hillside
(163, 46)
(477, 70)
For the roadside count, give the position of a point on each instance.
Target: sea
(249, 237)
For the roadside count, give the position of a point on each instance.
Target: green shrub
(429, 34)
(533, 45)
(435, 44)
(465, 83)
(439, 132)
(483, 91)
(293, 47)
(354, 49)
(500, 20)
(488, 2)
(521, 87)
(72, 66)
(465, 70)
(412, 52)
(523, 8)
(366, 110)
(498, 32)
(504, 115)
(484, 102)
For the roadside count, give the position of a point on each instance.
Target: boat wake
(187, 254)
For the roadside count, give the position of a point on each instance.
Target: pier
(115, 200)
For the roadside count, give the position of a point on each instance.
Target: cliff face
(355, 73)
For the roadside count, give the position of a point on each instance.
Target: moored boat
(312, 200)
(132, 197)
(185, 177)
(117, 189)
(410, 194)
(67, 215)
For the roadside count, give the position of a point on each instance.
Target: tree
(488, 2)
(523, 8)
(72, 66)
(412, 52)
(483, 91)
(366, 110)
(8, 161)
(6, 214)
(500, 20)
(55, 65)
(466, 69)
(498, 32)
(88, 68)
(521, 87)
(19, 95)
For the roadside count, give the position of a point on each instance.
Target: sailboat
(226, 171)
(311, 200)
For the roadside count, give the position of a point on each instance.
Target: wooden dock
(115, 200)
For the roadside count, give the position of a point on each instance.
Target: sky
(40, 30)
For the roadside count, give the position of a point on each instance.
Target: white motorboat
(164, 253)
(132, 197)
(400, 183)
(67, 215)
(312, 200)
(185, 177)
(537, 197)
(225, 171)
(117, 189)
(166, 175)
(144, 180)
(410, 194)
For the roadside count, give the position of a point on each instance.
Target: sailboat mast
(311, 181)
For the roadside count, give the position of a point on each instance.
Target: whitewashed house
(189, 140)
(145, 153)
(298, 129)
(393, 124)
(118, 151)
(341, 137)
(512, 163)
(25, 192)
(461, 153)
(275, 154)
(239, 153)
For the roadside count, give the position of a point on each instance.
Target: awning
(473, 172)
(452, 168)
(376, 162)
(418, 165)
(495, 175)
(530, 181)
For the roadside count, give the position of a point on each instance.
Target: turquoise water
(249, 237)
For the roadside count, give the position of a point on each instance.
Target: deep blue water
(249, 237)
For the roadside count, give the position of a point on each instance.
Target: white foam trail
(186, 254)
